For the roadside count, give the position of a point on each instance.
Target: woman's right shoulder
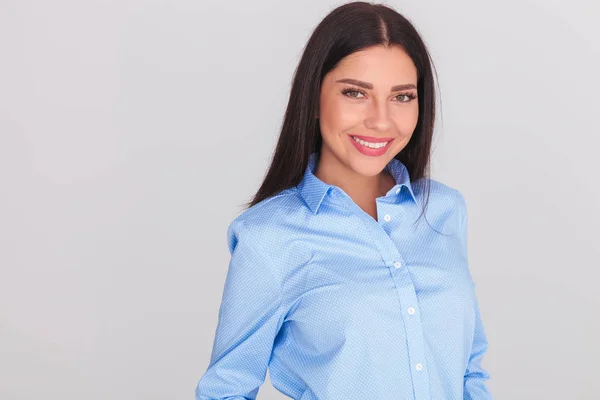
(260, 221)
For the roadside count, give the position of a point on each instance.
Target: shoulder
(446, 205)
(441, 191)
(260, 223)
(441, 194)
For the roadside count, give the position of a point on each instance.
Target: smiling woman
(332, 284)
(359, 118)
(365, 73)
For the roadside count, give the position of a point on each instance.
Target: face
(370, 95)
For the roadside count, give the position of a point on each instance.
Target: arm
(475, 374)
(249, 318)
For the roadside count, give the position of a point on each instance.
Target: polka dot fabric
(341, 306)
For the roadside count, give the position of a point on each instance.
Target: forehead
(377, 63)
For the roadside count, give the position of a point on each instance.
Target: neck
(362, 189)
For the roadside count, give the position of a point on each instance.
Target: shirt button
(419, 366)
(397, 264)
(387, 217)
(411, 310)
(397, 190)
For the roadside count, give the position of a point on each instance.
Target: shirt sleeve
(475, 375)
(249, 318)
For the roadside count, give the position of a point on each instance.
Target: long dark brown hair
(349, 28)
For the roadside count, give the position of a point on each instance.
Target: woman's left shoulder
(444, 195)
(446, 206)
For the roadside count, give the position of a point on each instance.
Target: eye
(407, 97)
(350, 92)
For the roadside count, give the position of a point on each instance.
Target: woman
(332, 283)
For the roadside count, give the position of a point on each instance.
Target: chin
(366, 167)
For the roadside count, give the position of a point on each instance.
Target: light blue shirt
(340, 306)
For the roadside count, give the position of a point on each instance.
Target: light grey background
(132, 131)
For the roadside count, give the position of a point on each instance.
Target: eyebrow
(368, 85)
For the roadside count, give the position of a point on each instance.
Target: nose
(378, 116)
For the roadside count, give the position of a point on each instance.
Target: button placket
(405, 290)
(407, 296)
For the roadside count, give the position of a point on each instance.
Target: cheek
(406, 119)
(338, 116)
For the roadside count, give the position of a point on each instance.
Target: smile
(369, 144)
(373, 147)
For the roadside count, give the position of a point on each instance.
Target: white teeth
(368, 144)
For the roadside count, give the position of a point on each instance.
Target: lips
(369, 151)
(372, 139)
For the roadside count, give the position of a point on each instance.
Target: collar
(313, 190)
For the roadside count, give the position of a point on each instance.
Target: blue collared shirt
(341, 306)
